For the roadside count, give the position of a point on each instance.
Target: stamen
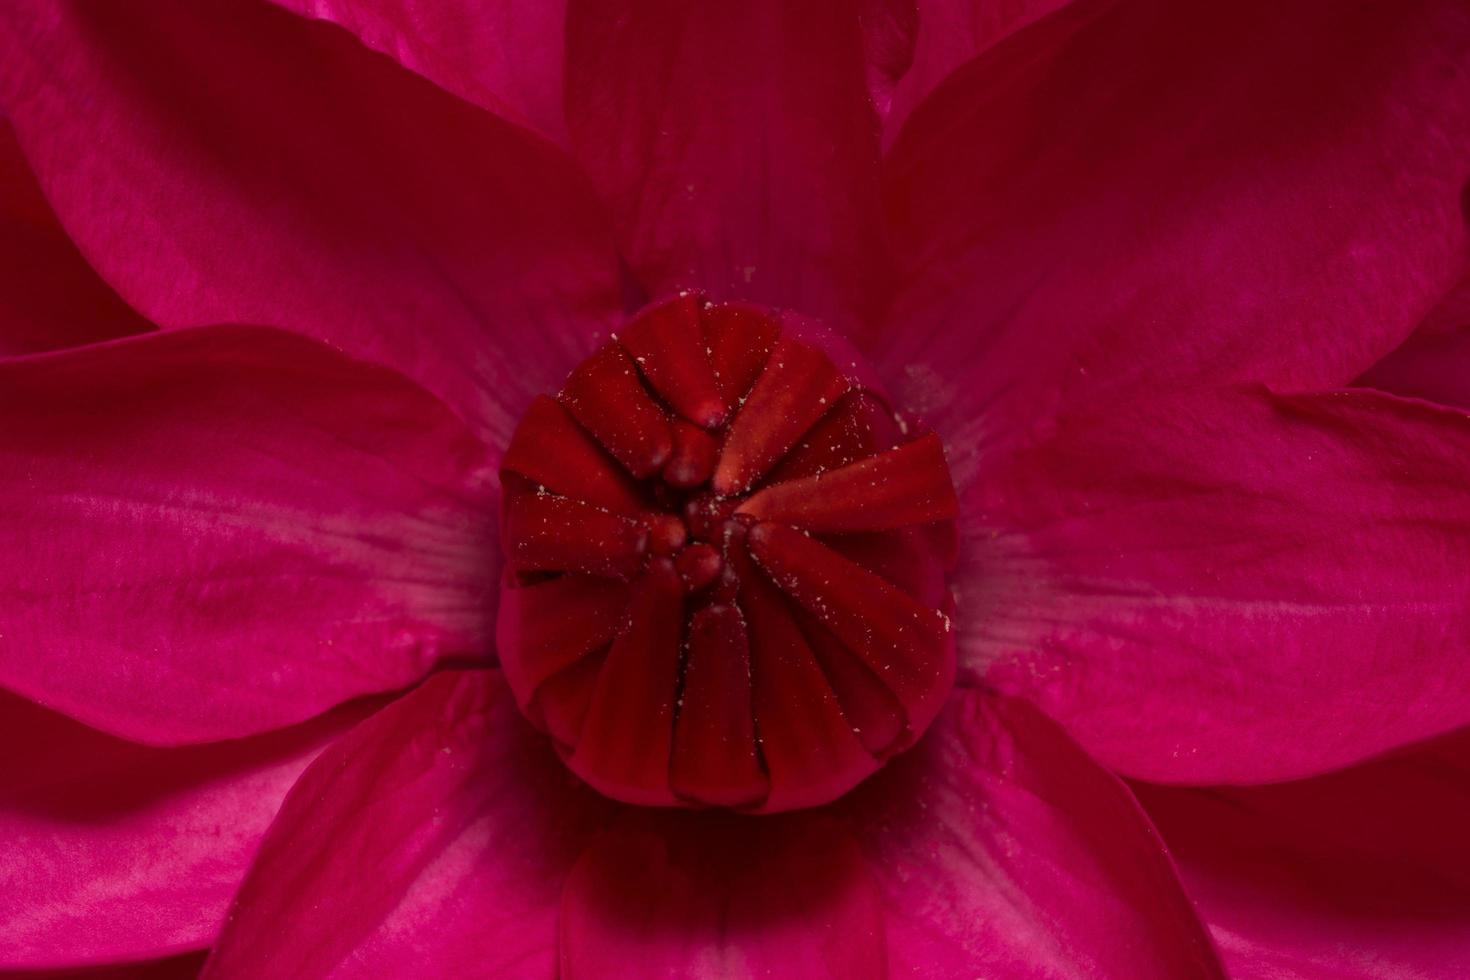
(668, 345)
(693, 459)
(901, 487)
(798, 386)
(715, 760)
(549, 448)
(604, 394)
(544, 532)
(625, 742)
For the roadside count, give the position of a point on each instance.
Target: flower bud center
(726, 566)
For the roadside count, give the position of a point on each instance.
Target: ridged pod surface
(725, 566)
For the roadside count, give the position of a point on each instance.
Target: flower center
(726, 563)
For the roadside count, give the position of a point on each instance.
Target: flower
(1180, 287)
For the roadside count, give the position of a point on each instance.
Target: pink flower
(1181, 288)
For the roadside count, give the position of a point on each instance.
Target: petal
(736, 146)
(1364, 873)
(1000, 849)
(335, 194)
(505, 57)
(49, 297)
(1146, 193)
(210, 533)
(1231, 585)
(115, 851)
(431, 841)
(951, 33)
(688, 895)
(1434, 363)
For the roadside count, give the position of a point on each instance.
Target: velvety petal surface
(505, 56)
(116, 851)
(431, 841)
(231, 162)
(1434, 363)
(1140, 192)
(1000, 849)
(1230, 585)
(705, 896)
(736, 145)
(209, 533)
(1364, 873)
(950, 34)
(49, 296)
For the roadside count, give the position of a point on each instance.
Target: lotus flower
(636, 488)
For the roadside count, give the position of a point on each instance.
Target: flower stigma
(726, 566)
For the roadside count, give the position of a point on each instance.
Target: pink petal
(432, 841)
(951, 33)
(1359, 874)
(49, 297)
(736, 146)
(689, 895)
(233, 163)
(1149, 193)
(210, 533)
(504, 56)
(1231, 585)
(113, 851)
(1001, 850)
(1434, 363)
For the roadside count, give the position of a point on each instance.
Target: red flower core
(726, 563)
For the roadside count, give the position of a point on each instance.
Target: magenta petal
(951, 33)
(431, 841)
(1001, 850)
(1146, 193)
(1231, 585)
(505, 56)
(234, 163)
(736, 146)
(210, 533)
(1357, 875)
(49, 296)
(705, 895)
(114, 851)
(1434, 363)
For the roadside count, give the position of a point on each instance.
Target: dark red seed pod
(726, 564)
